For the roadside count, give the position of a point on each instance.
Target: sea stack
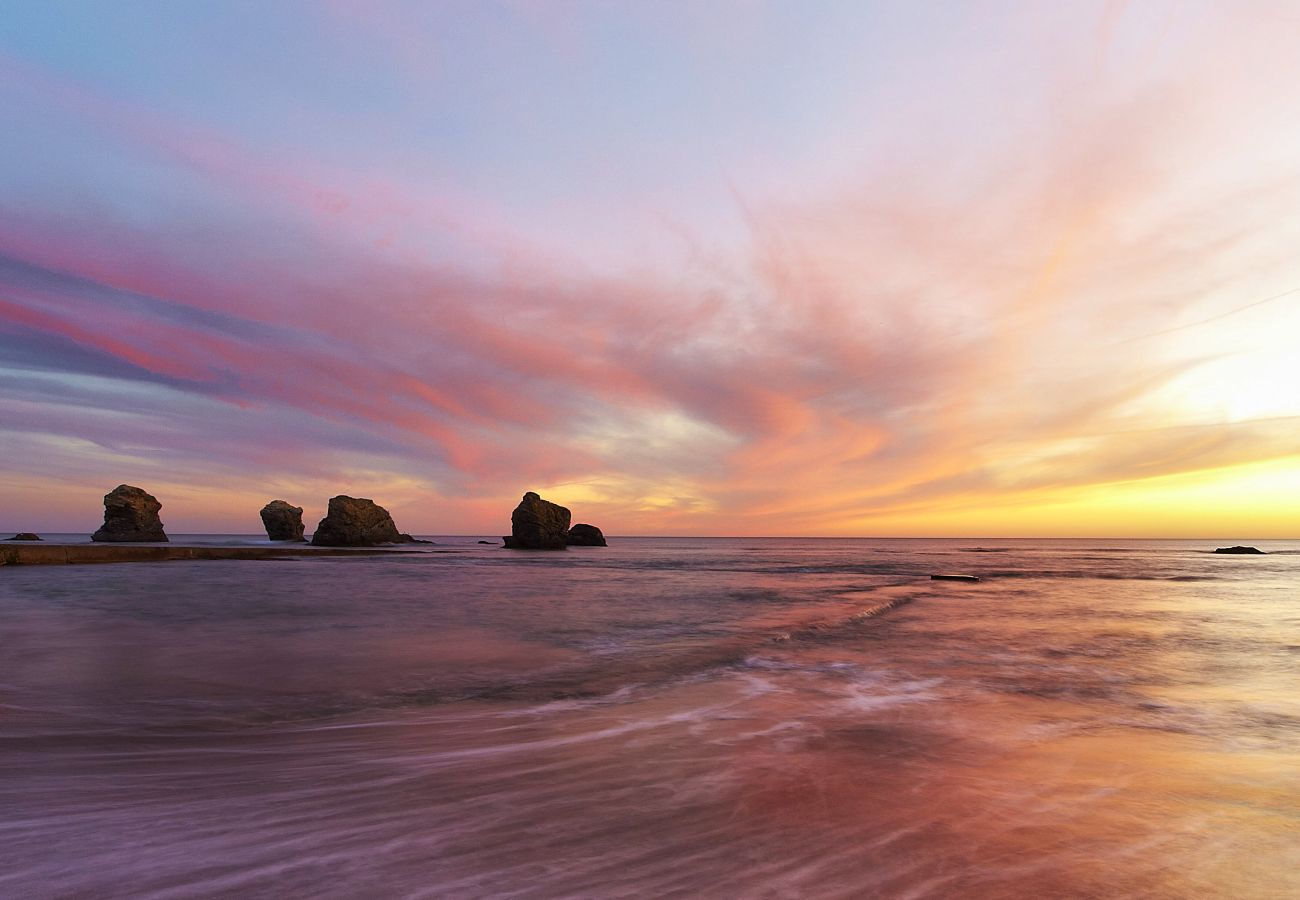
(538, 524)
(282, 520)
(1239, 549)
(583, 535)
(130, 515)
(356, 522)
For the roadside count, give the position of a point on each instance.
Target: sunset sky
(788, 268)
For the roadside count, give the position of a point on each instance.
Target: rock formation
(356, 522)
(1238, 549)
(537, 524)
(282, 520)
(585, 536)
(130, 514)
(25, 536)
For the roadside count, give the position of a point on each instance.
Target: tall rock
(538, 524)
(582, 535)
(282, 520)
(130, 514)
(356, 522)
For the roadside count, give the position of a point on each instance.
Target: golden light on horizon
(1255, 500)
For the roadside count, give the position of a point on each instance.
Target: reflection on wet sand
(719, 732)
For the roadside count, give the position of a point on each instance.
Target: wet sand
(662, 719)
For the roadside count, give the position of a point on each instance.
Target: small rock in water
(954, 578)
(26, 536)
(585, 536)
(356, 522)
(488, 542)
(130, 515)
(282, 520)
(1239, 549)
(538, 524)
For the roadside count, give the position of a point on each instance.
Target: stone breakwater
(73, 554)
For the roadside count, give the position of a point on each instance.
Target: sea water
(659, 718)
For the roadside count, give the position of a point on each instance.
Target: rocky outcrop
(585, 536)
(25, 536)
(356, 522)
(538, 524)
(130, 514)
(1238, 549)
(283, 521)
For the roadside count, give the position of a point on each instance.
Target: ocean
(684, 717)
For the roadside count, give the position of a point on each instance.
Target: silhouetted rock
(407, 539)
(1239, 550)
(355, 522)
(130, 514)
(26, 536)
(585, 536)
(283, 521)
(537, 524)
(493, 543)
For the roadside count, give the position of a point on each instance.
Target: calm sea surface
(660, 718)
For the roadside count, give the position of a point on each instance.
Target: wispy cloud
(1016, 321)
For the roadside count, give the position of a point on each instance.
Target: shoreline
(45, 554)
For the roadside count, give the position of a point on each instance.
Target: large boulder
(282, 520)
(538, 524)
(356, 522)
(130, 514)
(25, 536)
(585, 536)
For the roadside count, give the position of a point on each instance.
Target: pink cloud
(888, 347)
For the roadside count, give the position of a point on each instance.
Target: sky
(696, 268)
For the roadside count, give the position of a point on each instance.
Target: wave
(605, 674)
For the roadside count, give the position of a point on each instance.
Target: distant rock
(1239, 550)
(493, 543)
(407, 539)
(25, 536)
(355, 522)
(283, 521)
(538, 524)
(130, 515)
(585, 536)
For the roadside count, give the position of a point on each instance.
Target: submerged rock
(355, 522)
(26, 536)
(582, 535)
(493, 543)
(1239, 549)
(283, 521)
(538, 524)
(130, 515)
